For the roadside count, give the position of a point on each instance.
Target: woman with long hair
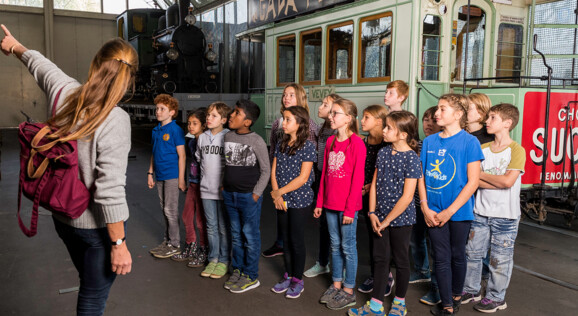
(88, 113)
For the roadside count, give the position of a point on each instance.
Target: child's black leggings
(292, 224)
(449, 245)
(394, 241)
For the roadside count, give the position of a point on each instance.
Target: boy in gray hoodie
(212, 161)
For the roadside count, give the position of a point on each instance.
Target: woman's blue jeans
(89, 250)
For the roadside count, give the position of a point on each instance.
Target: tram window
(430, 56)
(120, 26)
(310, 72)
(510, 46)
(375, 47)
(339, 51)
(285, 60)
(476, 39)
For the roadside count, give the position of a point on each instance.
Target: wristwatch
(118, 242)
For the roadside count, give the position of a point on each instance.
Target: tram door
(470, 43)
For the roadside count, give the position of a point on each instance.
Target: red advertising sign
(533, 136)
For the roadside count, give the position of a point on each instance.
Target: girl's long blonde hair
(111, 73)
(483, 105)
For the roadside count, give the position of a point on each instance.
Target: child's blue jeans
(218, 235)
(498, 235)
(343, 247)
(245, 216)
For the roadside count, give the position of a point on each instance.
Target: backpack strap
(34, 216)
(39, 172)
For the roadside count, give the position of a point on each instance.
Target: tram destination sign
(265, 11)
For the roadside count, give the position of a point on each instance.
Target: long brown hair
(111, 73)
(302, 118)
(300, 95)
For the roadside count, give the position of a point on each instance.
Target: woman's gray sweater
(102, 159)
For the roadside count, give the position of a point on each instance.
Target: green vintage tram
(439, 46)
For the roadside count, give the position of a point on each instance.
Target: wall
(75, 42)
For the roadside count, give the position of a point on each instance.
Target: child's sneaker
(366, 286)
(187, 254)
(316, 270)
(489, 306)
(365, 311)
(200, 259)
(244, 284)
(328, 294)
(159, 248)
(283, 285)
(468, 297)
(390, 283)
(418, 277)
(209, 269)
(234, 278)
(275, 250)
(439, 310)
(168, 252)
(431, 298)
(397, 309)
(341, 300)
(219, 271)
(295, 289)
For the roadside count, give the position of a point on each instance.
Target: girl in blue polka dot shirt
(291, 179)
(392, 210)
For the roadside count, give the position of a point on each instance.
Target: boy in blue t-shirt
(168, 163)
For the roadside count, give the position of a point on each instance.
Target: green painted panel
(259, 126)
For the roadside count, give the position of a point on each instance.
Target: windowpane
(78, 5)
(376, 47)
(476, 39)
(510, 47)
(142, 4)
(286, 59)
(430, 62)
(113, 6)
(311, 58)
(339, 52)
(26, 3)
(139, 23)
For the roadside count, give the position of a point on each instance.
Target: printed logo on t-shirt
(442, 170)
(240, 155)
(334, 164)
(166, 137)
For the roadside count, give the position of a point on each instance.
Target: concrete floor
(33, 270)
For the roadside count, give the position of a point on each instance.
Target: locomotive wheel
(530, 210)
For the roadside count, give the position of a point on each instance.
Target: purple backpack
(49, 174)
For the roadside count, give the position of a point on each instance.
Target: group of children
(463, 195)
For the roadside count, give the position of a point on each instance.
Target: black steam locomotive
(173, 55)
